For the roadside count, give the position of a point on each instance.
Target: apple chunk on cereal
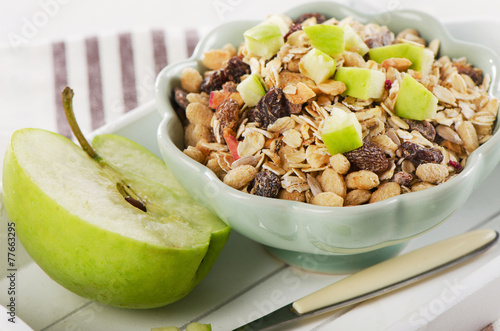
(264, 40)
(341, 132)
(362, 83)
(317, 65)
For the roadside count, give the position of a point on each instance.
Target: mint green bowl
(328, 239)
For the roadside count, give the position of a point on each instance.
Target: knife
(381, 278)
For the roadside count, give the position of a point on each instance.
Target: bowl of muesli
(247, 119)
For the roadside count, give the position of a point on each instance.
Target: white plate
(246, 282)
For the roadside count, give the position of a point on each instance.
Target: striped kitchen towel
(110, 75)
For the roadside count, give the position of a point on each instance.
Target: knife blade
(381, 278)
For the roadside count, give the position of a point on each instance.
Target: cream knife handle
(396, 270)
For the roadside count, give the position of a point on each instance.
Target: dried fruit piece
(368, 157)
(214, 81)
(180, 98)
(227, 115)
(424, 127)
(320, 18)
(235, 68)
(402, 178)
(475, 74)
(266, 184)
(418, 154)
(293, 28)
(271, 106)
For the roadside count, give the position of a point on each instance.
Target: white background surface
(41, 21)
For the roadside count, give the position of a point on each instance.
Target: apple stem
(67, 99)
(128, 194)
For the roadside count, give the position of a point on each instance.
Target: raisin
(180, 104)
(266, 184)
(320, 18)
(417, 154)
(270, 107)
(475, 74)
(180, 97)
(227, 115)
(425, 128)
(214, 81)
(293, 28)
(229, 86)
(368, 157)
(383, 38)
(402, 178)
(235, 68)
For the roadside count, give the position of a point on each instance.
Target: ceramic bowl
(328, 239)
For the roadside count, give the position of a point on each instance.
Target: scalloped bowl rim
(469, 170)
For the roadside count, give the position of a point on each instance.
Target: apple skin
(264, 40)
(326, 38)
(415, 101)
(421, 58)
(341, 132)
(317, 65)
(361, 83)
(92, 261)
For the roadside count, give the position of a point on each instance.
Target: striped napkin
(110, 75)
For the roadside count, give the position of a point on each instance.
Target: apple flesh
(317, 65)
(326, 38)
(264, 40)
(414, 101)
(421, 58)
(353, 42)
(76, 225)
(251, 90)
(361, 83)
(341, 132)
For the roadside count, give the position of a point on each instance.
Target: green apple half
(73, 219)
(341, 132)
(415, 101)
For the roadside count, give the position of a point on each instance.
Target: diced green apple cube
(361, 83)
(251, 90)
(341, 132)
(353, 42)
(421, 58)
(264, 40)
(317, 65)
(326, 38)
(414, 101)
